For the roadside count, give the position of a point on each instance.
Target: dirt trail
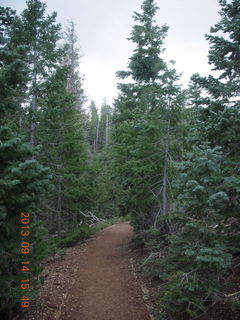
(95, 281)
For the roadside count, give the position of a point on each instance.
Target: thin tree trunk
(163, 193)
(59, 204)
(165, 204)
(97, 135)
(33, 103)
(165, 201)
(33, 121)
(107, 130)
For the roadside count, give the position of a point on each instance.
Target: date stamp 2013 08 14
(25, 250)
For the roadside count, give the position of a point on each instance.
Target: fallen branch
(91, 218)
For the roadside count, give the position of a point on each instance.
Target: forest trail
(94, 281)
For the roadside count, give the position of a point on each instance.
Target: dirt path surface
(93, 282)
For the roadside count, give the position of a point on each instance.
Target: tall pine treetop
(224, 51)
(145, 63)
(39, 33)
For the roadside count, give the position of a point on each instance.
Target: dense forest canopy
(166, 156)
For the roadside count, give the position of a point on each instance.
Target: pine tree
(199, 251)
(218, 109)
(38, 34)
(220, 105)
(104, 125)
(64, 150)
(93, 130)
(72, 61)
(23, 181)
(145, 122)
(207, 209)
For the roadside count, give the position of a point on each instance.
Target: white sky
(103, 27)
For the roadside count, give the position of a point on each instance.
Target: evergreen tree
(220, 105)
(38, 34)
(145, 122)
(218, 108)
(72, 61)
(23, 181)
(64, 150)
(104, 125)
(52, 94)
(93, 130)
(199, 252)
(207, 212)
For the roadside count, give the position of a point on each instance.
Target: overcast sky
(103, 27)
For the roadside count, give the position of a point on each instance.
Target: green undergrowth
(59, 244)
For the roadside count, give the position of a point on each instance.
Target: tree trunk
(97, 135)
(59, 204)
(165, 204)
(33, 121)
(107, 130)
(165, 201)
(33, 103)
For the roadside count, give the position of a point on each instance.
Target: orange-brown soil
(94, 281)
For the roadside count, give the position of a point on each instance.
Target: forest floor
(96, 280)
